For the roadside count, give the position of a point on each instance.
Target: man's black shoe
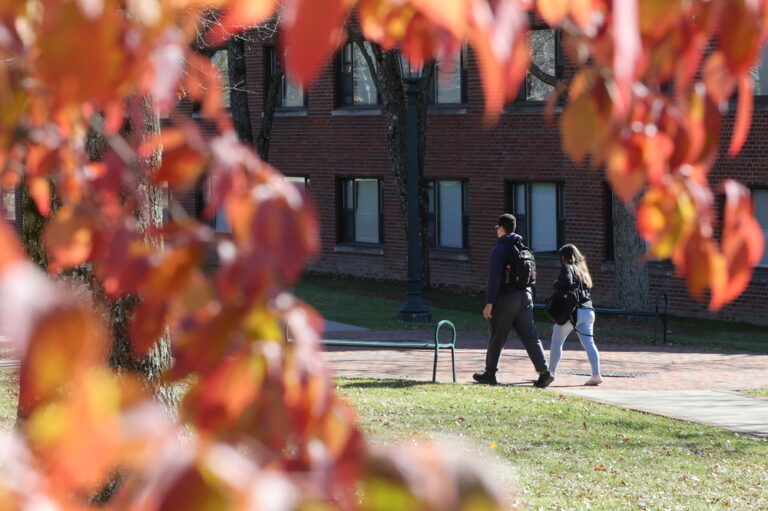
(544, 380)
(487, 379)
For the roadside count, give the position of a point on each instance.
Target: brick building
(332, 138)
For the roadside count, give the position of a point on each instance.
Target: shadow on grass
(381, 384)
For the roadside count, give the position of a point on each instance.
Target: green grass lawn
(375, 304)
(568, 453)
(757, 392)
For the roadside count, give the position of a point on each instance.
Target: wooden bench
(391, 344)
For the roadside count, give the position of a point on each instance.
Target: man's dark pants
(514, 310)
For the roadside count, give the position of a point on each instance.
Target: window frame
(346, 217)
(752, 190)
(270, 65)
(522, 93)
(433, 220)
(293, 178)
(345, 80)
(433, 86)
(524, 227)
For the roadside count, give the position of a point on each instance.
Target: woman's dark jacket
(568, 280)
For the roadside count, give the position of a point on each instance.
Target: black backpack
(520, 270)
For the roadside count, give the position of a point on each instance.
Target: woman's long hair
(571, 255)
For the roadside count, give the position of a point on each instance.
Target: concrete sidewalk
(683, 383)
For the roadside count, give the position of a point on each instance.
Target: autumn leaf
(553, 11)
(69, 238)
(743, 116)
(240, 15)
(64, 340)
(309, 20)
(626, 52)
(10, 248)
(742, 244)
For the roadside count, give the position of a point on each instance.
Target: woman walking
(574, 275)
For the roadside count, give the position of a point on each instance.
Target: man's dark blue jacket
(500, 255)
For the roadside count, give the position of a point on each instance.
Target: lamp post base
(415, 317)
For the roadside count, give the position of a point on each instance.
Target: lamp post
(413, 309)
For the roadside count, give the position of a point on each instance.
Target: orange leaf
(578, 126)
(240, 15)
(553, 11)
(68, 238)
(311, 32)
(384, 22)
(743, 116)
(222, 396)
(657, 17)
(65, 340)
(665, 217)
(742, 243)
(181, 167)
(450, 15)
(40, 191)
(717, 77)
(702, 264)
(76, 439)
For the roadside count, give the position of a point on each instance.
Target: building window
(355, 85)
(759, 74)
(301, 182)
(220, 59)
(360, 213)
(291, 95)
(545, 53)
(760, 203)
(449, 82)
(538, 208)
(447, 220)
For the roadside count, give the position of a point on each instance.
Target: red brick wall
(521, 146)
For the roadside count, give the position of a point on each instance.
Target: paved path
(684, 383)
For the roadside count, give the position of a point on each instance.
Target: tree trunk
(32, 224)
(149, 213)
(631, 277)
(238, 95)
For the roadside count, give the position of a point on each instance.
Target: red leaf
(740, 34)
(311, 32)
(626, 51)
(743, 116)
(10, 248)
(742, 244)
(147, 325)
(450, 15)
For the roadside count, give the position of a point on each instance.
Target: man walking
(509, 303)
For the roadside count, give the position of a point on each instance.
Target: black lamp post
(413, 309)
